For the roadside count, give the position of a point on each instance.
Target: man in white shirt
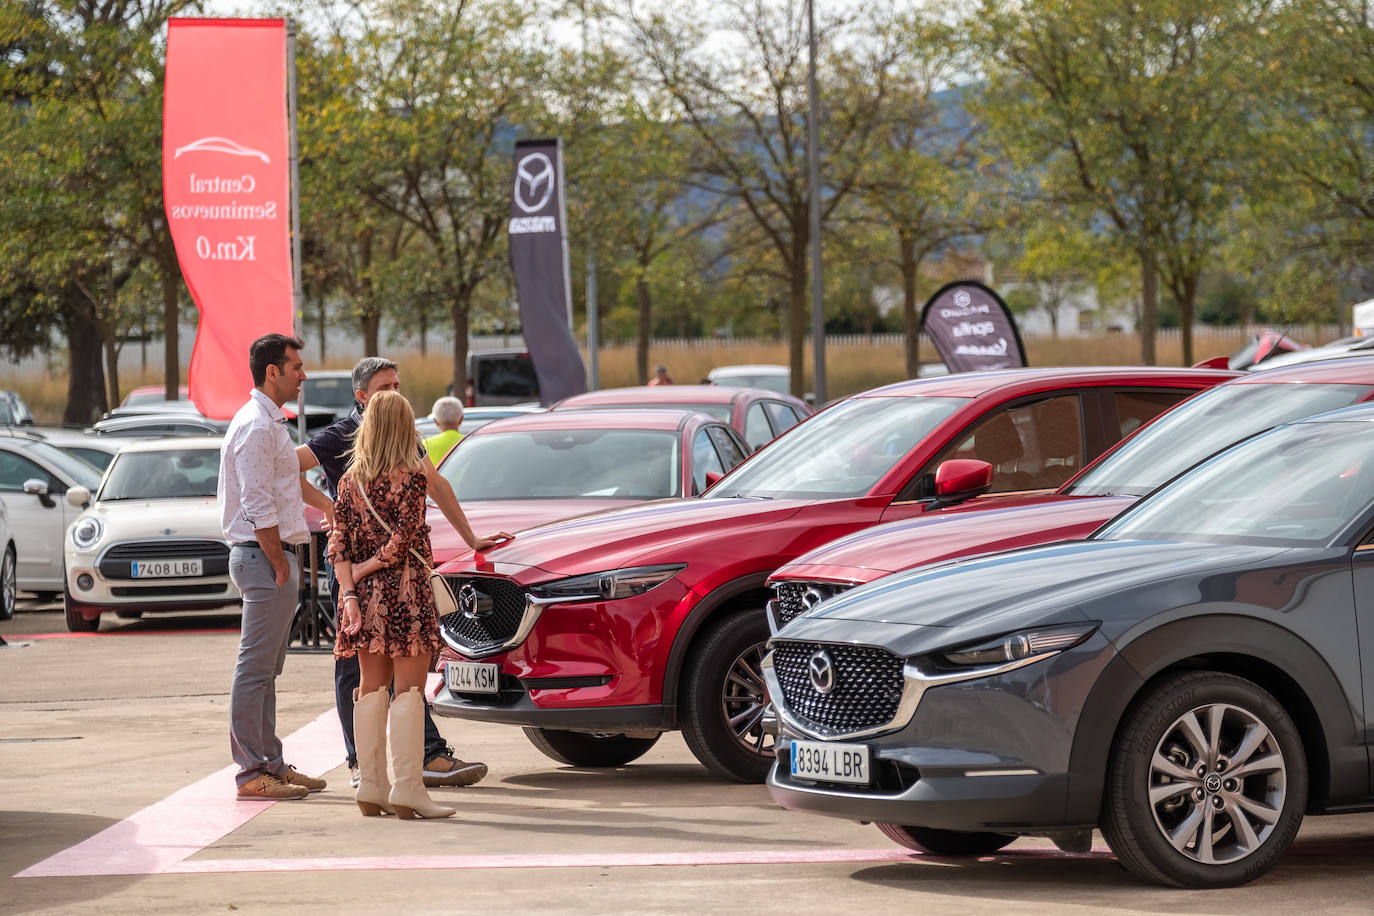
(263, 517)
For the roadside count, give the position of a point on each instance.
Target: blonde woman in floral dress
(380, 550)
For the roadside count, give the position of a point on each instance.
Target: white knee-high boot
(369, 738)
(408, 795)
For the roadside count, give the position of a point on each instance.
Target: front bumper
(161, 594)
(985, 754)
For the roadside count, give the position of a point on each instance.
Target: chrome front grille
(866, 692)
(116, 562)
(796, 598)
(490, 614)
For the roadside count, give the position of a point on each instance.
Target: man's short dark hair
(270, 350)
(367, 367)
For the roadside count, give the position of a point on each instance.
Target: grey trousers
(267, 614)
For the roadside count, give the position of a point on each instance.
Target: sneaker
(310, 783)
(443, 769)
(355, 776)
(270, 785)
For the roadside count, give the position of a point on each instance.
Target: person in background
(263, 518)
(661, 377)
(329, 449)
(380, 550)
(448, 415)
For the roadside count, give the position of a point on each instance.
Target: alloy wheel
(1217, 783)
(744, 699)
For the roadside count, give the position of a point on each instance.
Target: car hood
(130, 519)
(661, 531)
(509, 515)
(876, 552)
(991, 595)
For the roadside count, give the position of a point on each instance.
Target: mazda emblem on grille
(822, 672)
(468, 603)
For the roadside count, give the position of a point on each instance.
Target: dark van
(500, 376)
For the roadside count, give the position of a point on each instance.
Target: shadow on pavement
(29, 837)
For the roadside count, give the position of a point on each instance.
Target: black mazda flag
(539, 260)
(972, 328)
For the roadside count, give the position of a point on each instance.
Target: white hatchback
(150, 540)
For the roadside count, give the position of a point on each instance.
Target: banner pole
(297, 290)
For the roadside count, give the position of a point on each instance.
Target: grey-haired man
(329, 449)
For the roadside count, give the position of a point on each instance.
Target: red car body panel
(738, 399)
(729, 546)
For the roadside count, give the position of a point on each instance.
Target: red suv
(1165, 448)
(598, 634)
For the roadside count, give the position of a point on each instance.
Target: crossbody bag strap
(381, 521)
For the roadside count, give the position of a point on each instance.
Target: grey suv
(1192, 679)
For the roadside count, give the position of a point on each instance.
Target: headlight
(605, 586)
(1042, 642)
(87, 531)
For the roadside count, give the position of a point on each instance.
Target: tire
(952, 843)
(129, 615)
(724, 698)
(76, 621)
(9, 584)
(1225, 831)
(581, 749)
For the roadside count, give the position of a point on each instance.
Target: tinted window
(14, 470)
(784, 417)
(757, 431)
(842, 451)
(566, 464)
(329, 392)
(1136, 408)
(1031, 446)
(1203, 426)
(74, 468)
(92, 456)
(507, 376)
(704, 459)
(167, 474)
(726, 446)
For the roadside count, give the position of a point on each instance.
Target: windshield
(1203, 426)
(329, 392)
(566, 464)
(73, 467)
(841, 452)
(1295, 486)
(170, 474)
(782, 384)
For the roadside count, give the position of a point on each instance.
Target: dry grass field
(850, 366)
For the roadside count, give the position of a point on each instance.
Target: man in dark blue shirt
(329, 450)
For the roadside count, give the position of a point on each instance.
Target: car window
(783, 415)
(1136, 408)
(507, 376)
(728, 448)
(15, 469)
(566, 464)
(757, 430)
(704, 459)
(1032, 446)
(92, 456)
(329, 392)
(170, 474)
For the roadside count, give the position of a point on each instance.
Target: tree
(744, 94)
(1132, 117)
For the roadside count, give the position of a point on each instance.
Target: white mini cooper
(150, 540)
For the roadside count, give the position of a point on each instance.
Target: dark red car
(537, 468)
(597, 634)
(758, 414)
(1168, 446)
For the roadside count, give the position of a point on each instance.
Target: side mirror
(961, 479)
(36, 486)
(711, 478)
(79, 497)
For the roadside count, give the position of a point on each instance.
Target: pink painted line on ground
(154, 840)
(23, 636)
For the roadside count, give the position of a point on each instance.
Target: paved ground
(97, 730)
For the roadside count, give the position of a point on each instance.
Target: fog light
(84, 582)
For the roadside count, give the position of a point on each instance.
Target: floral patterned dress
(399, 617)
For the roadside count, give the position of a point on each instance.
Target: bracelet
(343, 598)
(348, 593)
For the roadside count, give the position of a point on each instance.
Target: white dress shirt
(259, 476)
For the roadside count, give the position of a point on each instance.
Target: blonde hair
(387, 440)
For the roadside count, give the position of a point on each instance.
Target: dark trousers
(346, 680)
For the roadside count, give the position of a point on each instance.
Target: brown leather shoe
(272, 786)
(443, 769)
(296, 778)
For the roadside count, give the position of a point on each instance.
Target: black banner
(539, 260)
(972, 328)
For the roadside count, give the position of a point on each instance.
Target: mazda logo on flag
(822, 671)
(533, 182)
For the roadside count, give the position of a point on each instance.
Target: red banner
(226, 189)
